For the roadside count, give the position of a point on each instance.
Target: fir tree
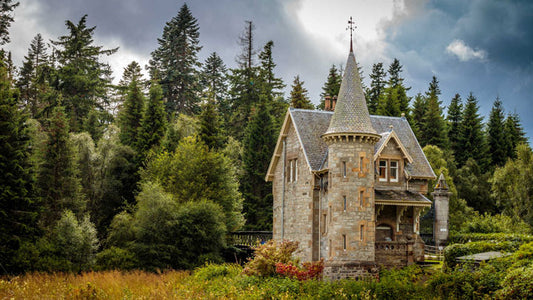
(472, 138)
(271, 85)
(18, 207)
(496, 134)
(377, 86)
(83, 79)
(153, 123)
(299, 98)
(514, 133)
(131, 114)
(175, 64)
(259, 142)
(433, 127)
(394, 100)
(331, 86)
(6, 8)
(211, 132)
(417, 115)
(455, 118)
(58, 183)
(32, 68)
(214, 79)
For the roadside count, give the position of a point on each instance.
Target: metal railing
(249, 238)
(434, 253)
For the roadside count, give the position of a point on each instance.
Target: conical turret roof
(351, 113)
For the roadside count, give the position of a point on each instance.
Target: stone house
(349, 187)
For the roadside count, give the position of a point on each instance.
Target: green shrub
(210, 271)
(518, 284)
(461, 238)
(457, 250)
(487, 223)
(116, 258)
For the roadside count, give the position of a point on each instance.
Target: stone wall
(298, 206)
(358, 270)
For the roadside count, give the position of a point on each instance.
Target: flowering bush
(266, 257)
(309, 270)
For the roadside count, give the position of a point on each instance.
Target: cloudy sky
(479, 46)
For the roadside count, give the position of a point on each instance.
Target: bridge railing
(249, 238)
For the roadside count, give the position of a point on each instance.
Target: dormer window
(388, 170)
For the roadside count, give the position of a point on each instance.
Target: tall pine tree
(433, 128)
(496, 135)
(394, 100)
(175, 64)
(299, 97)
(18, 207)
(472, 138)
(455, 118)
(514, 134)
(377, 87)
(270, 84)
(83, 80)
(153, 124)
(259, 142)
(211, 131)
(331, 86)
(131, 114)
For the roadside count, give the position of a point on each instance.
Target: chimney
(327, 103)
(333, 103)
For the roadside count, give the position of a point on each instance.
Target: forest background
(154, 171)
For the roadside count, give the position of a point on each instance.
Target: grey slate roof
(351, 114)
(312, 124)
(389, 197)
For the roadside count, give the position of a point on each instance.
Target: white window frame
(386, 168)
(397, 168)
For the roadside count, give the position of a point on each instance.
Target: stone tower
(441, 197)
(350, 216)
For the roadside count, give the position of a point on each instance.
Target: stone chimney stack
(333, 103)
(327, 103)
(441, 198)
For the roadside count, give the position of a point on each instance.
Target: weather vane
(351, 27)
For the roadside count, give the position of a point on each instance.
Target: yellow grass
(97, 285)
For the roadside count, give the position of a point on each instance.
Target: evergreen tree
(394, 100)
(211, 132)
(6, 8)
(270, 84)
(132, 72)
(473, 186)
(417, 115)
(83, 79)
(153, 123)
(32, 68)
(496, 135)
(455, 118)
(58, 183)
(131, 114)
(214, 79)
(299, 98)
(18, 207)
(259, 142)
(514, 134)
(175, 64)
(433, 127)
(331, 86)
(377, 86)
(472, 138)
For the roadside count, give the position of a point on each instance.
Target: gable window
(292, 170)
(394, 171)
(382, 170)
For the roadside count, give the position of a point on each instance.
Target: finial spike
(351, 27)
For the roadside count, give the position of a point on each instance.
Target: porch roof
(400, 198)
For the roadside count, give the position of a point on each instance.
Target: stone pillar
(441, 196)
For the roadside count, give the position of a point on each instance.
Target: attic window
(292, 171)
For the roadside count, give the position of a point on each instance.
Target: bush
(116, 258)
(309, 270)
(266, 257)
(518, 284)
(457, 250)
(211, 271)
(487, 223)
(461, 238)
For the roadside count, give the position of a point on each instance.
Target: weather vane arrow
(351, 27)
